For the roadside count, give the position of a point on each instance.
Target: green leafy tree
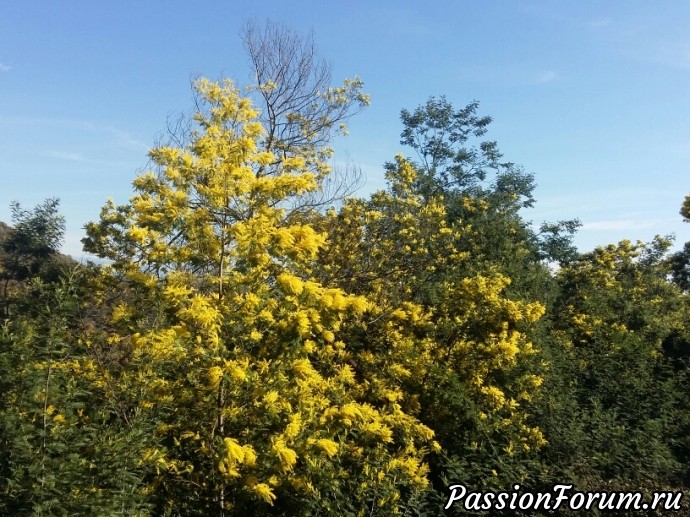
(448, 162)
(679, 262)
(685, 209)
(30, 248)
(479, 188)
(34, 239)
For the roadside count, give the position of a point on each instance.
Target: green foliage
(62, 451)
(685, 209)
(611, 399)
(480, 190)
(30, 249)
(35, 237)
(679, 265)
(679, 262)
(440, 135)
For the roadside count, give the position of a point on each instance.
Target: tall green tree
(35, 237)
(29, 248)
(456, 162)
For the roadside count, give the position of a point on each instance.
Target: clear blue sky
(592, 97)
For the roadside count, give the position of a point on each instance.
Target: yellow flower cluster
(234, 456)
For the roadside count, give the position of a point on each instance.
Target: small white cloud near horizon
(5, 68)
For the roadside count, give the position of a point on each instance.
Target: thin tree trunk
(221, 396)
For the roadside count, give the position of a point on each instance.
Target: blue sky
(592, 97)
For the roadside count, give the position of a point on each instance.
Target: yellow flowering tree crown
(256, 393)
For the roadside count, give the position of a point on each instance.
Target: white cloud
(594, 203)
(5, 68)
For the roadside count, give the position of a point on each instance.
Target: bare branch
(299, 109)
